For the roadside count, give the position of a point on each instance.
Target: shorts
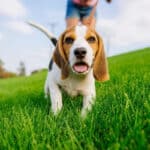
(77, 11)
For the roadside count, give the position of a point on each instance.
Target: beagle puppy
(78, 60)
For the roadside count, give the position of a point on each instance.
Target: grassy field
(120, 118)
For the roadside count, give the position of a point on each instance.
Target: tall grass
(120, 118)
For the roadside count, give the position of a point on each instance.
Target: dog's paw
(56, 107)
(84, 113)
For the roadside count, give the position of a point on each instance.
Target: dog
(78, 60)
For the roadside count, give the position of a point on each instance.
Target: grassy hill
(120, 118)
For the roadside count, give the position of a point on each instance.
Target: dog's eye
(91, 39)
(69, 40)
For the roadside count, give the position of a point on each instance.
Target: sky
(124, 26)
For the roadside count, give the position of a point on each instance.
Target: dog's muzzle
(80, 66)
(80, 53)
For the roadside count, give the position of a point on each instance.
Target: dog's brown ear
(60, 48)
(60, 58)
(100, 68)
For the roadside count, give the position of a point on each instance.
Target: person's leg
(72, 14)
(70, 22)
(88, 17)
(91, 22)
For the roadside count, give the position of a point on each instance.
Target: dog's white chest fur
(73, 85)
(77, 86)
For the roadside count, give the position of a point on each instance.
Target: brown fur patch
(61, 58)
(100, 68)
(94, 45)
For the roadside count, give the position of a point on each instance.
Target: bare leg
(91, 22)
(70, 22)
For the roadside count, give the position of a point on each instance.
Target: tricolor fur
(78, 60)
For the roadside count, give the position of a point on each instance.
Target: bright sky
(123, 24)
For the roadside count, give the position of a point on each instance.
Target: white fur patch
(80, 31)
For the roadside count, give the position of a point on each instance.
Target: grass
(120, 118)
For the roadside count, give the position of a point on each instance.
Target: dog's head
(79, 49)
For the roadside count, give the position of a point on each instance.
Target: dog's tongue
(80, 68)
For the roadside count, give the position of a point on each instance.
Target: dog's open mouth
(80, 67)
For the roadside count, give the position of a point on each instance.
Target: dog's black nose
(80, 52)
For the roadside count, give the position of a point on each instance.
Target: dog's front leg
(88, 101)
(56, 98)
